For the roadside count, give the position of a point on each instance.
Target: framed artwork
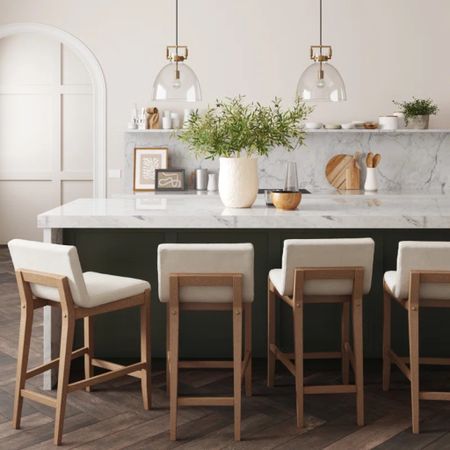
(169, 179)
(146, 162)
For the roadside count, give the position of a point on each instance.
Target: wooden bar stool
(318, 271)
(50, 275)
(422, 280)
(208, 277)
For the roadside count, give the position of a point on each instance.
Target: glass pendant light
(176, 80)
(321, 81)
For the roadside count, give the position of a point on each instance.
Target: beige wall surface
(384, 49)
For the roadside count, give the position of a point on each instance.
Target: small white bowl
(332, 126)
(313, 125)
(347, 126)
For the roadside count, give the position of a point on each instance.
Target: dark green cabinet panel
(133, 253)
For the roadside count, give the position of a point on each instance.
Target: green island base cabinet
(121, 235)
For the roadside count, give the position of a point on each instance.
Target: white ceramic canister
(371, 183)
(401, 119)
(166, 123)
(212, 182)
(388, 122)
(187, 116)
(175, 117)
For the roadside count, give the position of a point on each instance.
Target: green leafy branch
(233, 127)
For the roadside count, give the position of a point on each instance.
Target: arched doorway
(56, 86)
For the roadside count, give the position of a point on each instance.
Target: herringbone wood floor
(112, 417)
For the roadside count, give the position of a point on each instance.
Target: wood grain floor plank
(373, 434)
(140, 431)
(41, 437)
(28, 423)
(431, 430)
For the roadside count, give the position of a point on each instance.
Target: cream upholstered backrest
(52, 259)
(311, 253)
(204, 259)
(422, 256)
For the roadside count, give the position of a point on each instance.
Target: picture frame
(146, 161)
(170, 180)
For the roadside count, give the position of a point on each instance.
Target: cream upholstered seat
(421, 280)
(207, 277)
(88, 289)
(103, 288)
(204, 259)
(51, 275)
(316, 253)
(321, 271)
(419, 256)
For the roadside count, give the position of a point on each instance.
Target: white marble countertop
(204, 210)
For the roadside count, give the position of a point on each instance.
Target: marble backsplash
(411, 160)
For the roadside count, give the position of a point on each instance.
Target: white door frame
(99, 90)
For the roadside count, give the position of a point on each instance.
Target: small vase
(371, 183)
(238, 182)
(418, 122)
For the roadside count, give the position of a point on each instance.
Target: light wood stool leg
(345, 338)
(386, 341)
(146, 380)
(26, 325)
(298, 354)
(248, 348)
(237, 366)
(88, 327)
(167, 350)
(357, 311)
(174, 343)
(65, 355)
(271, 322)
(413, 326)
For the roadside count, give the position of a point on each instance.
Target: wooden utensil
(369, 160)
(376, 160)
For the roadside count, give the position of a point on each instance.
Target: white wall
(384, 49)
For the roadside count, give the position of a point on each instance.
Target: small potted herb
(417, 112)
(237, 133)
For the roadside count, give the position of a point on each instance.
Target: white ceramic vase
(238, 182)
(371, 184)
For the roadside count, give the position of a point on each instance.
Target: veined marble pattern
(192, 210)
(411, 160)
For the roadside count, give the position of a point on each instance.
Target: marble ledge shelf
(353, 130)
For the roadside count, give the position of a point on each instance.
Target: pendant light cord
(176, 27)
(320, 27)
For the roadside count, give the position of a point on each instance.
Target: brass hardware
(316, 53)
(176, 56)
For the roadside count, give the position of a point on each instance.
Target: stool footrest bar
(205, 401)
(105, 376)
(330, 389)
(433, 395)
(54, 363)
(38, 397)
(205, 364)
(108, 365)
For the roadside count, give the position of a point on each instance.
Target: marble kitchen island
(120, 236)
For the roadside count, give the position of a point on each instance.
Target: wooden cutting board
(336, 168)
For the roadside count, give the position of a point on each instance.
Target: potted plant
(237, 133)
(417, 112)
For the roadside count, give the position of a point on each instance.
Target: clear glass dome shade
(313, 87)
(168, 87)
